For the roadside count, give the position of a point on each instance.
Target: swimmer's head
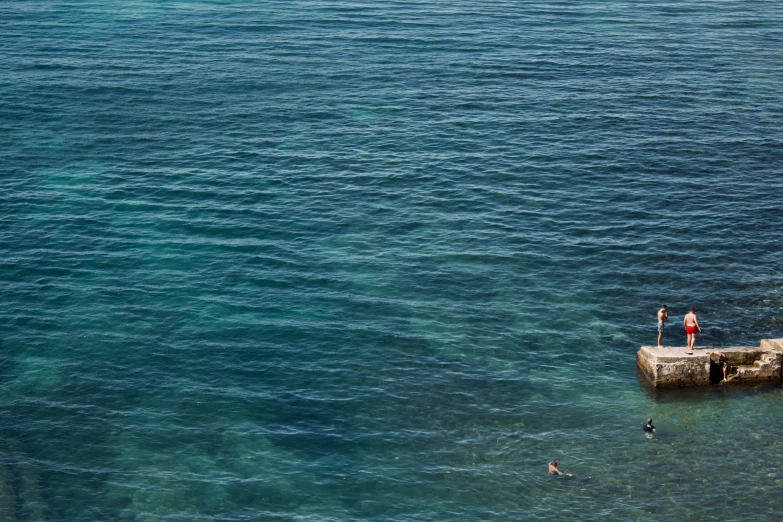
(553, 463)
(649, 420)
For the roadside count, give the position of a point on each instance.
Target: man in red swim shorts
(691, 327)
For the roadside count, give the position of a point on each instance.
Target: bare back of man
(692, 327)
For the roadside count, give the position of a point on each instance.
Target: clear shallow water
(339, 261)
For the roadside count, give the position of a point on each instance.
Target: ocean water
(336, 260)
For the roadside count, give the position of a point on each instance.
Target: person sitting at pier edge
(647, 425)
(723, 361)
(554, 471)
(663, 316)
(691, 327)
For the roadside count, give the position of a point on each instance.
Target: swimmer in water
(554, 471)
(647, 426)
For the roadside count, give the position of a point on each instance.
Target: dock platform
(674, 368)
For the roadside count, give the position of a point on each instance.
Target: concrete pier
(674, 368)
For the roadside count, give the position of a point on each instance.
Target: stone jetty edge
(674, 368)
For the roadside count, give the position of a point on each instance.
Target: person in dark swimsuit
(648, 426)
(723, 362)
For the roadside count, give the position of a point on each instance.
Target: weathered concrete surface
(673, 367)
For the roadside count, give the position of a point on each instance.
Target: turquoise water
(332, 261)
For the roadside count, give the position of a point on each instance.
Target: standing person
(691, 327)
(663, 316)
